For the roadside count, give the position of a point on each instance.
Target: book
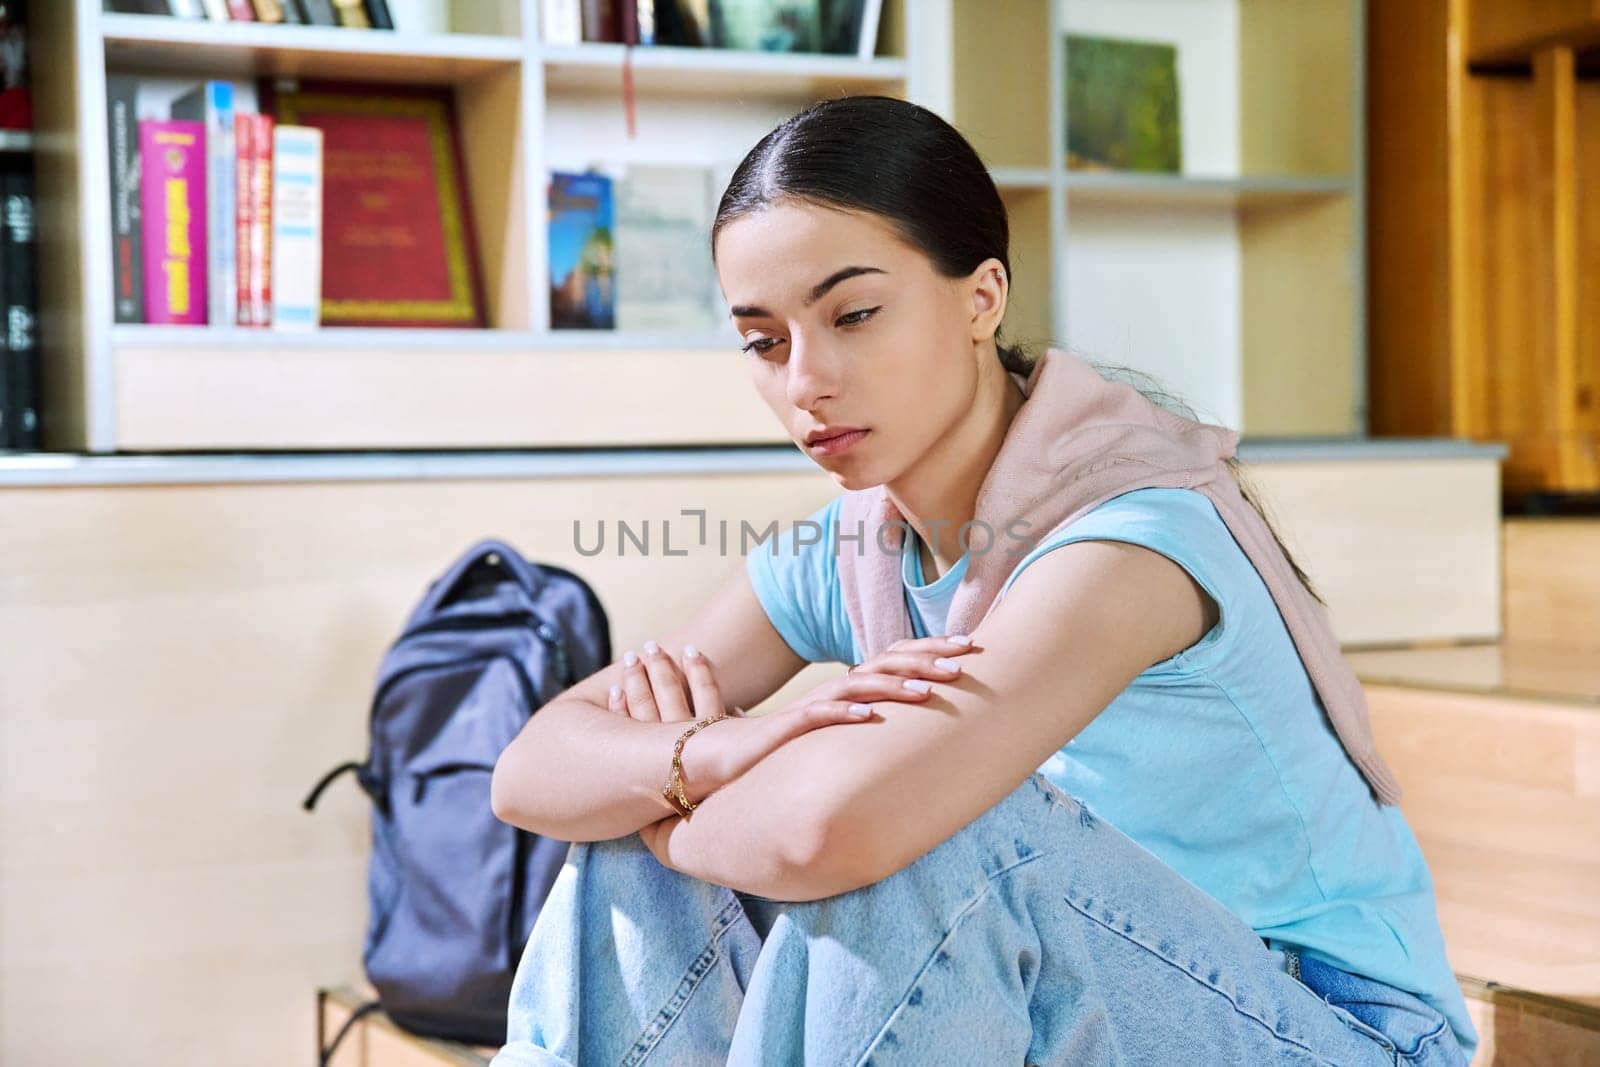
(241, 11)
(20, 304)
(254, 237)
(216, 10)
(398, 245)
(297, 176)
(560, 22)
(582, 277)
(269, 10)
(765, 26)
(127, 244)
(172, 200)
(320, 12)
(601, 21)
(665, 278)
(186, 9)
(378, 14)
(212, 104)
(1123, 112)
(352, 14)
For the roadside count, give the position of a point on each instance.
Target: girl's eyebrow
(818, 291)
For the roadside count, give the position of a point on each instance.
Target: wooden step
(1497, 749)
(1517, 1028)
(375, 1040)
(1502, 790)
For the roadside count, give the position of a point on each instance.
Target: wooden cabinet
(1484, 251)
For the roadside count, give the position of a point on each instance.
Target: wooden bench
(375, 1041)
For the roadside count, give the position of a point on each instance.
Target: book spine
(8, 388)
(351, 14)
(186, 9)
(320, 12)
(212, 104)
(268, 10)
(261, 233)
(216, 10)
(561, 22)
(221, 190)
(244, 129)
(296, 227)
(172, 196)
(871, 13)
(378, 14)
(127, 251)
(628, 21)
(600, 20)
(241, 11)
(21, 305)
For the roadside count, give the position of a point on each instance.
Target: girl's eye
(856, 318)
(768, 341)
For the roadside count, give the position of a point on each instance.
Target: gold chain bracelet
(675, 779)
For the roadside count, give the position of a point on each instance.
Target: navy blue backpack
(453, 891)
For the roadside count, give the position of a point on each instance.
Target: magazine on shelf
(581, 252)
(665, 279)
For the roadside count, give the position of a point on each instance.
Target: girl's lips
(833, 446)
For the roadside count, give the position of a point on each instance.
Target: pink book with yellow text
(172, 197)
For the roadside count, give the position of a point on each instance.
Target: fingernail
(615, 692)
(946, 663)
(918, 685)
(961, 639)
(863, 710)
(691, 651)
(630, 658)
(651, 648)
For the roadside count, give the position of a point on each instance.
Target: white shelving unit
(1239, 283)
(524, 109)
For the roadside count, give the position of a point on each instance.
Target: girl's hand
(655, 689)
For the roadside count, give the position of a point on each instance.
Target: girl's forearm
(759, 833)
(579, 772)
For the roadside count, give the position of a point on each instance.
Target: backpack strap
(326, 1054)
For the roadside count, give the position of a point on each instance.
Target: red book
(172, 197)
(241, 11)
(253, 136)
(398, 247)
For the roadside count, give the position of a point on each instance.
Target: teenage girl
(1111, 825)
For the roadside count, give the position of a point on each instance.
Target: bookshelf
(523, 109)
(1238, 282)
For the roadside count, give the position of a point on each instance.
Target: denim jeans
(1038, 934)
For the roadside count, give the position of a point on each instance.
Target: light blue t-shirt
(1219, 759)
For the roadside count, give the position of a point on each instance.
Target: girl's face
(845, 326)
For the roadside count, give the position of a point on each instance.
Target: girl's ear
(990, 290)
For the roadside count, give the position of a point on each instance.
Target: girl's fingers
(615, 701)
(704, 692)
(667, 684)
(636, 688)
(871, 685)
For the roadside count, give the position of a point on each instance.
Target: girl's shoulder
(794, 571)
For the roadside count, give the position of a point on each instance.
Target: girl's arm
(579, 772)
(1073, 631)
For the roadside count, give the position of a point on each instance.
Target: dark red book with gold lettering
(397, 237)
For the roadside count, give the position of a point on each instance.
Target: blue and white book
(212, 104)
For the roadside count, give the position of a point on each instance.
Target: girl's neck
(939, 494)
